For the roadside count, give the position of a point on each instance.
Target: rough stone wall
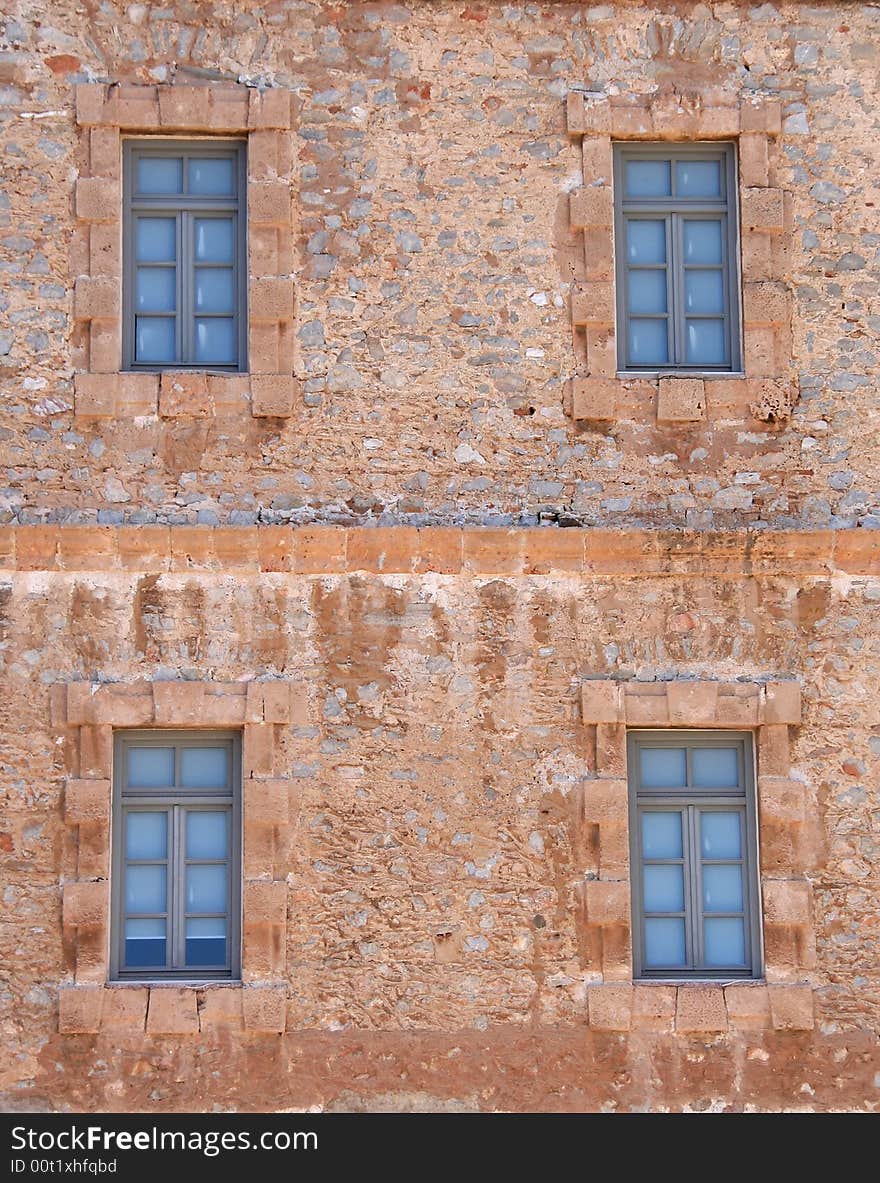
(434, 860)
(435, 265)
(437, 953)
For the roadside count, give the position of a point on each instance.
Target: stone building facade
(434, 557)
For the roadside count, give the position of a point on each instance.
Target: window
(176, 868)
(184, 253)
(676, 248)
(693, 847)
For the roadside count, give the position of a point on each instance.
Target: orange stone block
(383, 549)
(748, 1006)
(781, 703)
(124, 1009)
(178, 704)
(606, 801)
(95, 297)
(591, 206)
(258, 750)
(95, 751)
(781, 800)
(144, 548)
(787, 901)
(265, 1008)
(594, 399)
(320, 550)
(268, 702)
(754, 164)
(692, 704)
(87, 548)
(601, 701)
(275, 545)
(269, 203)
(610, 1008)
(79, 1009)
(653, 1008)
(607, 903)
(86, 801)
(221, 1009)
(791, 1008)
(440, 550)
(266, 802)
(236, 548)
(95, 395)
(273, 396)
(774, 757)
(265, 902)
(36, 547)
(548, 550)
(85, 905)
(700, 1010)
(491, 551)
(681, 400)
(611, 750)
(98, 199)
(184, 394)
(172, 1011)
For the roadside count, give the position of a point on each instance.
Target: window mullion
(692, 902)
(185, 281)
(174, 887)
(678, 288)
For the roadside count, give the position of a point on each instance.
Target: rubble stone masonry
(432, 556)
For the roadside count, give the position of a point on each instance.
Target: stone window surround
(787, 843)
(766, 386)
(87, 714)
(104, 114)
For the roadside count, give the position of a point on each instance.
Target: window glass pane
(646, 241)
(705, 342)
(214, 289)
(702, 241)
(206, 889)
(661, 834)
(704, 291)
(211, 176)
(206, 941)
(203, 768)
(720, 834)
(722, 889)
(155, 240)
(715, 768)
(664, 943)
(663, 768)
(154, 289)
(647, 178)
(144, 889)
(150, 768)
(146, 835)
(144, 943)
(648, 345)
(647, 291)
(159, 174)
(215, 340)
(154, 338)
(205, 834)
(214, 240)
(724, 942)
(664, 889)
(698, 178)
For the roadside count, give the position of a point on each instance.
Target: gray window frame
(185, 209)
(673, 210)
(689, 800)
(175, 799)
